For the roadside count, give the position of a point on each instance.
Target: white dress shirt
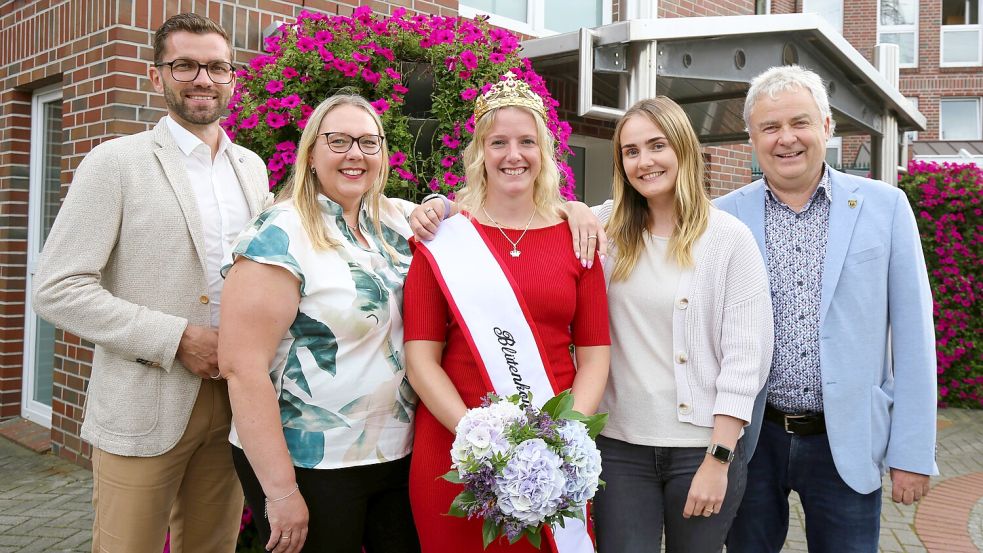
(222, 205)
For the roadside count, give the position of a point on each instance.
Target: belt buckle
(791, 417)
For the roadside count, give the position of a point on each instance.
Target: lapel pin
(241, 159)
(852, 203)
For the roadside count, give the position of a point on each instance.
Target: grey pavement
(44, 500)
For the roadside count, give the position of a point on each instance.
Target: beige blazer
(124, 268)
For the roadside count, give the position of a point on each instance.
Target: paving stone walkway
(44, 501)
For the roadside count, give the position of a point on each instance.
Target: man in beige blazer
(131, 265)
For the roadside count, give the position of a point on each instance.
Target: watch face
(721, 453)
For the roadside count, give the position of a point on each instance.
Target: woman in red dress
(512, 192)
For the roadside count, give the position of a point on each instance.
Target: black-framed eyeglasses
(341, 143)
(185, 70)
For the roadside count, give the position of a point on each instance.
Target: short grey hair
(782, 79)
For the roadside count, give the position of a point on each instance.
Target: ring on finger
(428, 209)
(592, 237)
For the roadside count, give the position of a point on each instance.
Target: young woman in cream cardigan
(692, 334)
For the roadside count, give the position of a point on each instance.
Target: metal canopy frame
(707, 63)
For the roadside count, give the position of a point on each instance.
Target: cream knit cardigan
(722, 326)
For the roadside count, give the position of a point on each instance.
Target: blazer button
(681, 357)
(203, 299)
(683, 303)
(684, 408)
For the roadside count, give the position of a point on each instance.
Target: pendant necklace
(515, 245)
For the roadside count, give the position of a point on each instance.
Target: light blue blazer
(877, 337)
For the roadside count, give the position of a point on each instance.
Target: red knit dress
(568, 304)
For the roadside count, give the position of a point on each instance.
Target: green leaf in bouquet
(558, 404)
(460, 504)
(578, 514)
(596, 424)
(489, 532)
(535, 537)
(453, 477)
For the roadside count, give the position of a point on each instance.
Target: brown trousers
(191, 489)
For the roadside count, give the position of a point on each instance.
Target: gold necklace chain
(515, 244)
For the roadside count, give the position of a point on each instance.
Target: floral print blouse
(338, 372)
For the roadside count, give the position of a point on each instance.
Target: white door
(43, 203)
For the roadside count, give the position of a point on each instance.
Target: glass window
(830, 10)
(899, 12)
(512, 9)
(911, 136)
(960, 12)
(834, 152)
(540, 17)
(571, 15)
(962, 35)
(959, 119)
(906, 46)
(898, 24)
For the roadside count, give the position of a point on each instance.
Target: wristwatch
(721, 453)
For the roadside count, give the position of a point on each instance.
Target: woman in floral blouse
(310, 345)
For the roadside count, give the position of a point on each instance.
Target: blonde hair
(304, 186)
(546, 187)
(691, 205)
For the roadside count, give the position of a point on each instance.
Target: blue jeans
(838, 519)
(647, 489)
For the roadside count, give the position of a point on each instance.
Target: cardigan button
(684, 408)
(203, 299)
(683, 303)
(681, 357)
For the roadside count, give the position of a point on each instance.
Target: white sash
(489, 308)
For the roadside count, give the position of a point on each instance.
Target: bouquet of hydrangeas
(524, 467)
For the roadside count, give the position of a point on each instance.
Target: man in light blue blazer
(852, 389)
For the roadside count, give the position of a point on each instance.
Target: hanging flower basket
(390, 60)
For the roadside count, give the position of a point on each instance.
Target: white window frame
(979, 118)
(836, 142)
(894, 29)
(912, 135)
(535, 26)
(767, 8)
(946, 29)
(32, 410)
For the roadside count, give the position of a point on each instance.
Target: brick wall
(98, 50)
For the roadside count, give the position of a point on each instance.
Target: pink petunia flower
(381, 106)
(274, 86)
(276, 120)
(397, 158)
(449, 142)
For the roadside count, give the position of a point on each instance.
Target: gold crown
(506, 93)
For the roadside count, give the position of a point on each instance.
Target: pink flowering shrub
(367, 53)
(948, 203)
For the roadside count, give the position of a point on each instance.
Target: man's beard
(176, 104)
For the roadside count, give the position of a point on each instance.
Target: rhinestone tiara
(508, 92)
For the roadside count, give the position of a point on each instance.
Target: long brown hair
(691, 205)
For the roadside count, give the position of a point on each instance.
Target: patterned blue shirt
(796, 249)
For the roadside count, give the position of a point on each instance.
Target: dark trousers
(646, 490)
(838, 519)
(349, 508)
